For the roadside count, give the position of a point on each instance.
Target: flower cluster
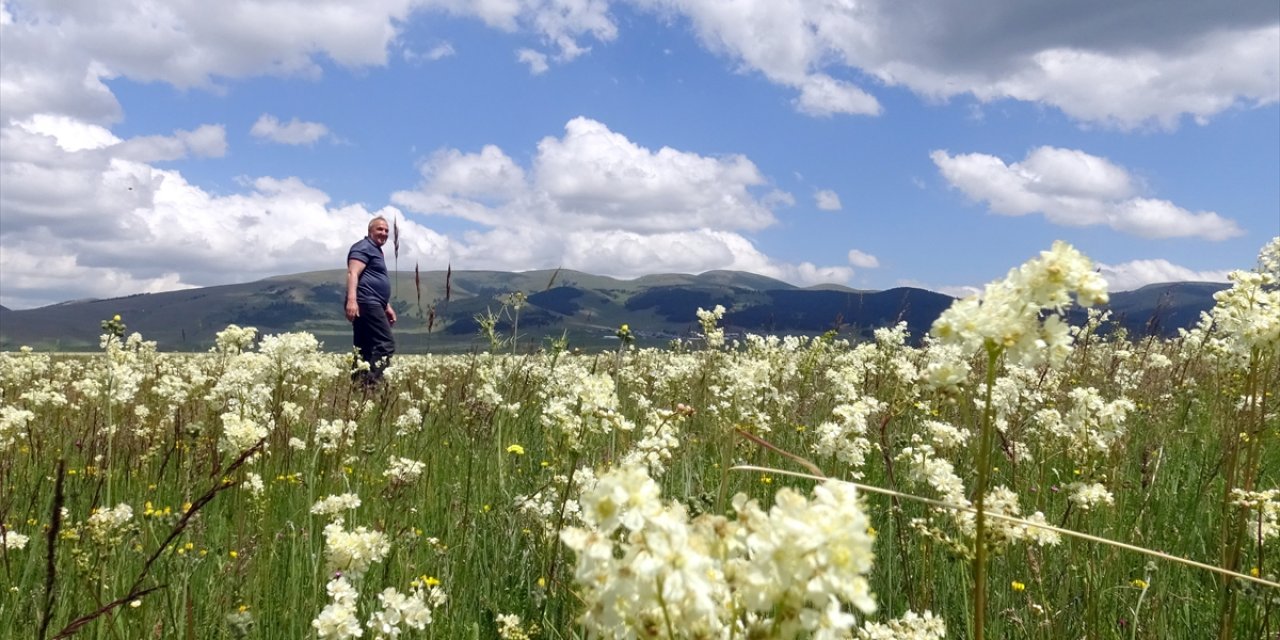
(1007, 314)
(798, 568)
(352, 552)
(709, 320)
(399, 611)
(334, 434)
(234, 339)
(13, 424)
(1088, 496)
(239, 433)
(911, 626)
(106, 525)
(579, 402)
(1266, 504)
(12, 540)
(333, 505)
(1091, 424)
(338, 619)
(403, 471)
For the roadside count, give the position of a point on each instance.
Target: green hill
(441, 312)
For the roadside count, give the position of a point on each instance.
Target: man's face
(379, 232)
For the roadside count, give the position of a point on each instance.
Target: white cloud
(293, 132)
(537, 61)
(778, 199)
(827, 200)
(207, 140)
(598, 178)
(593, 200)
(35, 277)
(438, 52)
(86, 214)
(1127, 65)
(72, 135)
(69, 134)
(822, 95)
(594, 178)
(559, 22)
(863, 260)
(1073, 188)
(490, 173)
(1136, 274)
(103, 220)
(56, 57)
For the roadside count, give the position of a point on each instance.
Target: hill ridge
(585, 308)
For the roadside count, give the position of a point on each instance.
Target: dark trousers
(372, 336)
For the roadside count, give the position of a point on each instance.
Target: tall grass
(205, 555)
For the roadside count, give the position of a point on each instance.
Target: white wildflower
(403, 470)
(911, 626)
(352, 552)
(12, 540)
(105, 525)
(335, 504)
(1088, 496)
(338, 618)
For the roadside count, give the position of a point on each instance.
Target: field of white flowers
(1008, 476)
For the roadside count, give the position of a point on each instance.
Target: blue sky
(147, 147)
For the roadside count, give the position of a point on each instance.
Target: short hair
(375, 221)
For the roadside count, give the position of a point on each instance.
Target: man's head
(379, 230)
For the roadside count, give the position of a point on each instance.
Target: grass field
(254, 492)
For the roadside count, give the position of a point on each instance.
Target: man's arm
(354, 269)
(391, 314)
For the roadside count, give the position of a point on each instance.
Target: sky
(152, 145)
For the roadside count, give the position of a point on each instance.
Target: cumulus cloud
(822, 95)
(596, 201)
(594, 178)
(71, 135)
(1136, 274)
(87, 214)
(561, 23)
(1073, 188)
(1128, 65)
(293, 132)
(863, 260)
(57, 57)
(537, 61)
(827, 200)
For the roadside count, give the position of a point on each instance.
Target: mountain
(585, 308)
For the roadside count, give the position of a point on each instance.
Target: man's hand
(353, 311)
(391, 315)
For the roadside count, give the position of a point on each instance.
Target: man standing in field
(369, 301)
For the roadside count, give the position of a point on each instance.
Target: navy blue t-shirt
(374, 286)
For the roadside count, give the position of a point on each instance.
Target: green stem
(980, 520)
(1235, 524)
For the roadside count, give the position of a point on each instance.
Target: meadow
(976, 482)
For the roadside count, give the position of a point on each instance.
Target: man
(369, 301)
